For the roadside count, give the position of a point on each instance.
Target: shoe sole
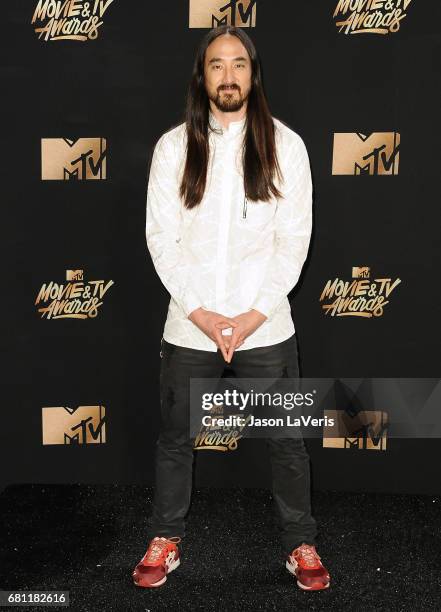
(172, 567)
(318, 586)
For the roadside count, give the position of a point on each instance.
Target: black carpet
(383, 551)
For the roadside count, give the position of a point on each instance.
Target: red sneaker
(305, 564)
(161, 558)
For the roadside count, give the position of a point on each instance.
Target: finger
(223, 350)
(230, 349)
(230, 352)
(220, 343)
(233, 343)
(231, 322)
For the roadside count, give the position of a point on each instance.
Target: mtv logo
(373, 154)
(82, 425)
(351, 442)
(360, 272)
(74, 275)
(64, 159)
(365, 430)
(213, 13)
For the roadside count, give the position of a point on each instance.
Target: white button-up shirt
(227, 254)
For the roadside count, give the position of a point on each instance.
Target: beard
(228, 102)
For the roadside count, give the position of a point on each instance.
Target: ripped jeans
(174, 448)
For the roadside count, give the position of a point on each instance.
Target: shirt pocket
(256, 214)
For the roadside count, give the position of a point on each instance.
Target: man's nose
(229, 78)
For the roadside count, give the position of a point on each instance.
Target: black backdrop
(128, 86)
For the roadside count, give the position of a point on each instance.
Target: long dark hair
(260, 164)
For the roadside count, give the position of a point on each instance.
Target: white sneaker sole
(292, 571)
(171, 567)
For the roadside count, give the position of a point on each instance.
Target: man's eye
(240, 65)
(217, 66)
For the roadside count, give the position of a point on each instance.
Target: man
(228, 228)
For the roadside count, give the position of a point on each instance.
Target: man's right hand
(206, 320)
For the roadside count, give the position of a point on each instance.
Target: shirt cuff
(190, 302)
(265, 306)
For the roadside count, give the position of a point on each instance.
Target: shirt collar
(234, 128)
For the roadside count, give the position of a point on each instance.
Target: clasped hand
(212, 323)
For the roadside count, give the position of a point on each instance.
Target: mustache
(228, 86)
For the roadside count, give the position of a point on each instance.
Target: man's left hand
(248, 322)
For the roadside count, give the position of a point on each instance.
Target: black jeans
(174, 448)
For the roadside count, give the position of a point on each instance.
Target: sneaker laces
(309, 555)
(158, 546)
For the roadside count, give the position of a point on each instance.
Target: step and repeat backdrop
(88, 88)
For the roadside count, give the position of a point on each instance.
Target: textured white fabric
(213, 256)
